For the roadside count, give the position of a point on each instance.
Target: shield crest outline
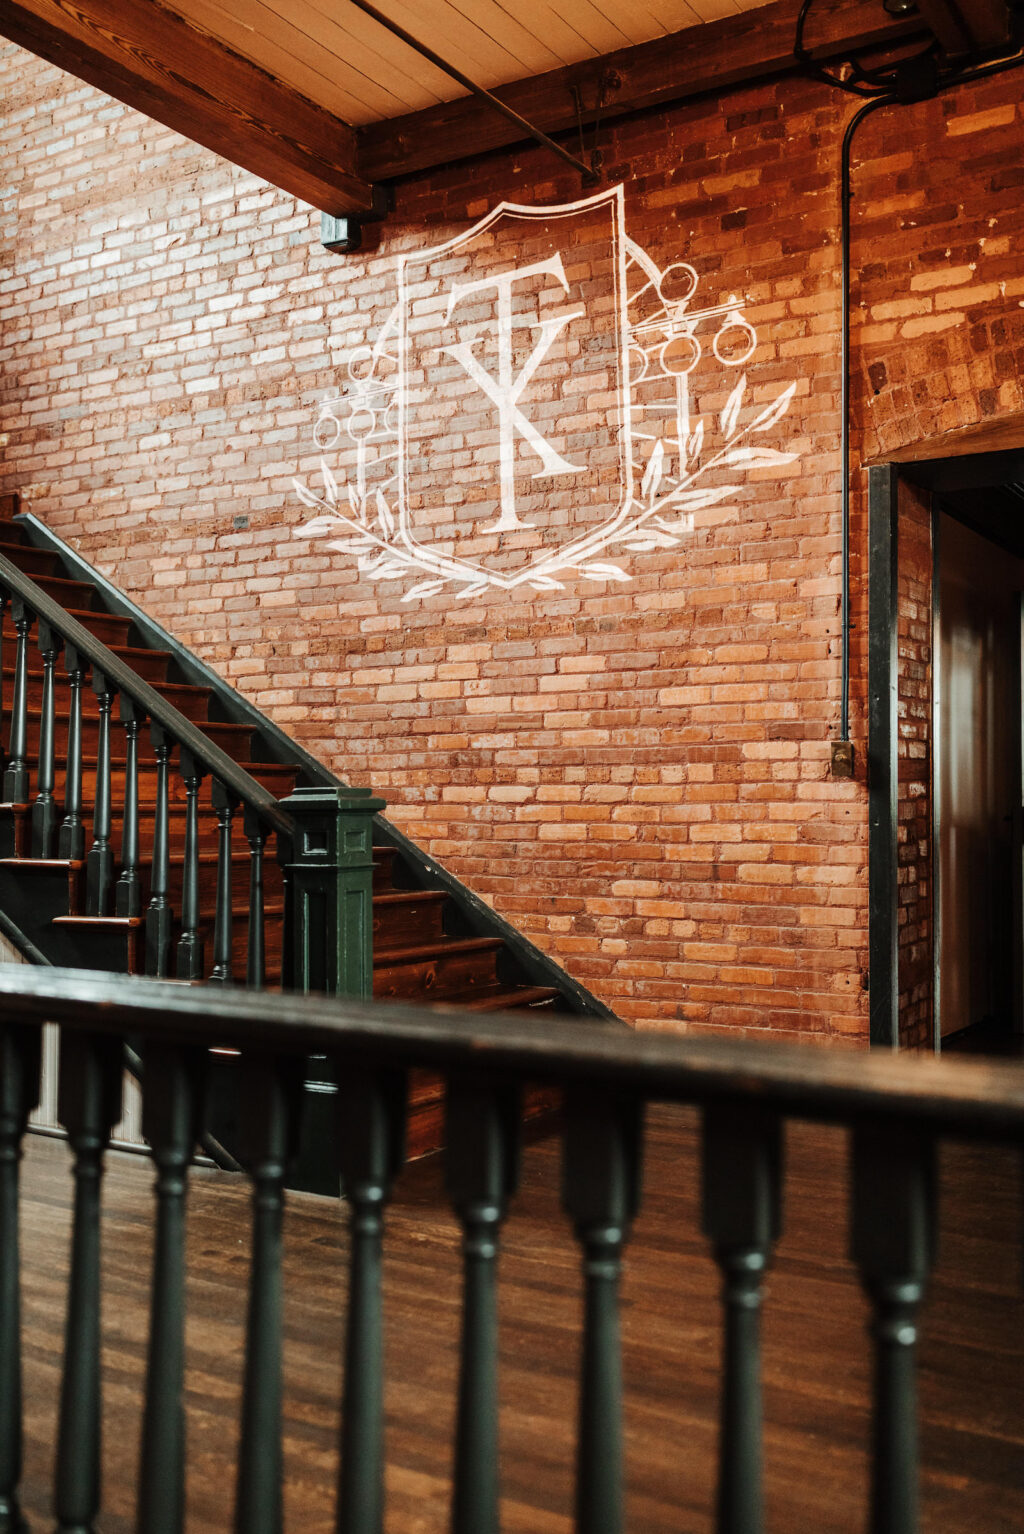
(474, 570)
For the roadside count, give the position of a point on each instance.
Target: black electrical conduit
(890, 98)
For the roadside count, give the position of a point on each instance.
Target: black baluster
(270, 1093)
(190, 945)
(16, 772)
(99, 868)
(71, 843)
(742, 1213)
(482, 1124)
(601, 1189)
(159, 915)
(90, 1105)
(225, 804)
(893, 1245)
(256, 962)
(19, 1093)
(129, 885)
(44, 810)
(3, 610)
(371, 1146)
(171, 1121)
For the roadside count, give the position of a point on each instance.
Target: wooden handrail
(792, 1080)
(156, 707)
(897, 1110)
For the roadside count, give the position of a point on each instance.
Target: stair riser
(105, 626)
(407, 926)
(70, 594)
(237, 742)
(32, 562)
(193, 702)
(151, 666)
(435, 977)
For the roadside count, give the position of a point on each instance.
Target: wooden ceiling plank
(470, 48)
(329, 92)
(712, 57)
(337, 27)
(358, 49)
(582, 21)
(275, 39)
(507, 31)
(160, 64)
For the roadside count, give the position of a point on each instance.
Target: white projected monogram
(542, 395)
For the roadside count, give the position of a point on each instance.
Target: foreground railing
(897, 1110)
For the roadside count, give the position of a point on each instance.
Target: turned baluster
(371, 1144)
(129, 885)
(71, 842)
(225, 804)
(270, 1093)
(44, 810)
(16, 772)
(482, 1123)
(90, 1106)
(190, 944)
(742, 1203)
(256, 963)
(99, 868)
(893, 1245)
(171, 1120)
(601, 1184)
(19, 1093)
(3, 609)
(159, 916)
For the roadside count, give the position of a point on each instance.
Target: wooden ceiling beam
(715, 56)
(152, 59)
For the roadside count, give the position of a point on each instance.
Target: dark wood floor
(816, 1368)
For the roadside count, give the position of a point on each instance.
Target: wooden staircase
(61, 849)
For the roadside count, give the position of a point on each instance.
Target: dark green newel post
(742, 1217)
(601, 1192)
(893, 1245)
(481, 1172)
(19, 1093)
(329, 890)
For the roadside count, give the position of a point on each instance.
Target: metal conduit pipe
(874, 103)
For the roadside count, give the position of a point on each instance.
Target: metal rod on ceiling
(529, 131)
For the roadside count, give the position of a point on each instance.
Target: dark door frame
(1002, 467)
(882, 765)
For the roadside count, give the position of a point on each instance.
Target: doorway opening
(946, 765)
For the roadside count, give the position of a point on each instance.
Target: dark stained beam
(152, 59)
(754, 45)
(968, 26)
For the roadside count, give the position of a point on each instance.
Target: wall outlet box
(842, 758)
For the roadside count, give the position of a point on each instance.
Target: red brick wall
(636, 773)
(914, 763)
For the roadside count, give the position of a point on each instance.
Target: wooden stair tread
(441, 947)
(69, 863)
(126, 922)
(409, 897)
(502, 998)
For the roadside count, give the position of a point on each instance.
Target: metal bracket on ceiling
(529, 130)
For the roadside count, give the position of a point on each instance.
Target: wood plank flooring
(816, 1365)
